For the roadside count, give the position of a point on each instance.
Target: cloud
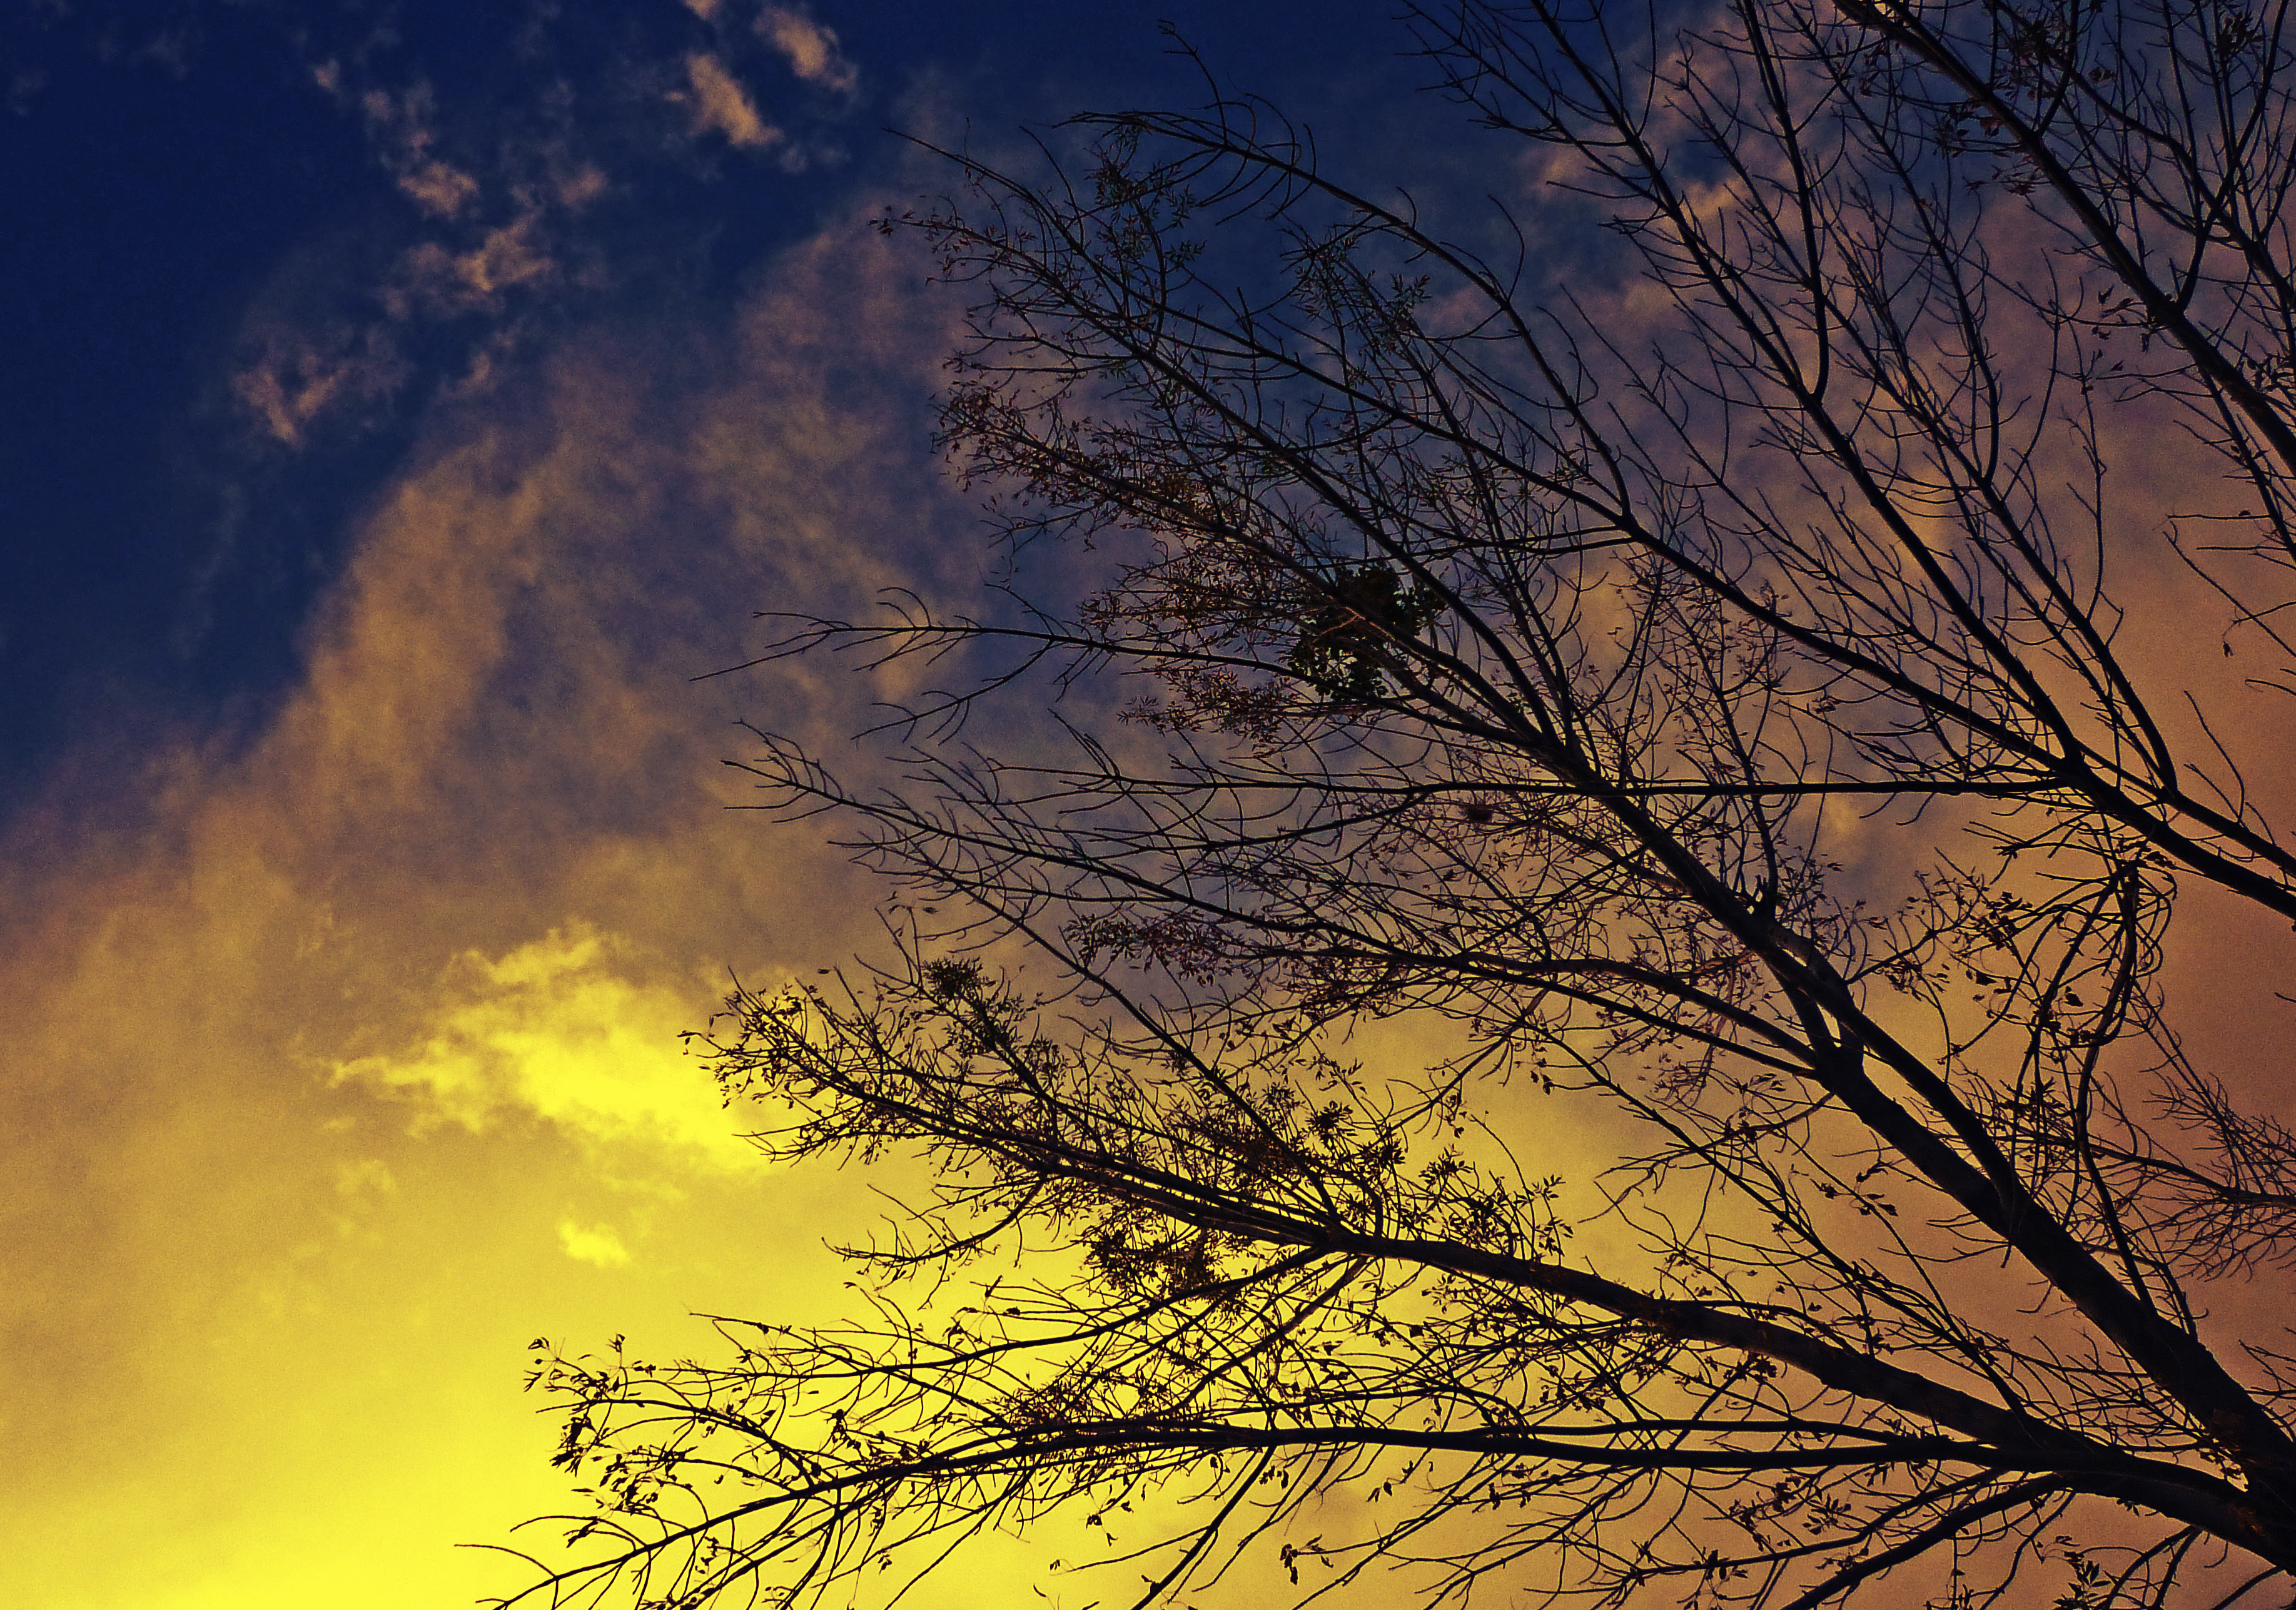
(557, 1029)
(435, 279)
(477, 873)
(298, 375)
(326, 340)
(810, 49)
(440, 189)
(599, 1246)
(576, 185)
(316, 1035)
(501, 236)
(722, 106)
(403, 130)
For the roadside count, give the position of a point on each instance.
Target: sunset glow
(430, 419)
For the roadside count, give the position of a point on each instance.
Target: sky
(404, 404)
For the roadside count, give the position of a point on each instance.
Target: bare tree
(1696, 707)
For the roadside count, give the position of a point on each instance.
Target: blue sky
(216, 351)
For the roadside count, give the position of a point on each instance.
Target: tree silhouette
(1693, 712)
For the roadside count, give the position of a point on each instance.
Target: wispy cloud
(554, 1028)
(352, 1046)
(296, 374)
(436, 279)
(597, 1244)
(722, 106)
(503, 232)
(403, 132)
(810, 49)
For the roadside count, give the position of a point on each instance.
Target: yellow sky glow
(345, 1061)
